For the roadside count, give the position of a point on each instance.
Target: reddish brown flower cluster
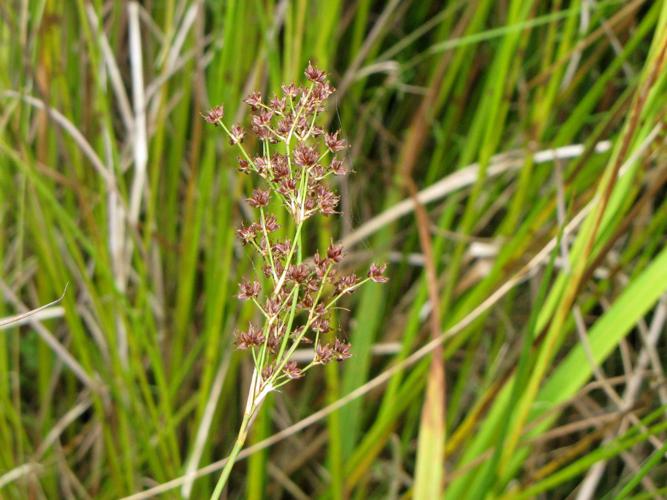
(215, 115)
(298, 177)
(297, 298)
(250, 338)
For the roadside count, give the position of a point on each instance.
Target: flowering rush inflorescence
(295, 297)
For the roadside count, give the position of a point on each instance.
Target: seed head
(376, 273)
(259, 198)
(321, 325)
(299, 273)
(327, 201)
(249, 290)
(278, 105)
(342, 350)
(273, 342)
(290, 90)
(319, 261)
(280, 168)
(323, 354)
(305, 156)
(337, 167)
(247, 234)
(254, 100)
(315, 75)
(297, 295)
(307, 302)
(320, 93)
(262, 118)
(334, 143)
(346, 283)
(281, 249)
(273, 306)
(271, 224)
(261, 164)
(335, 252)
(215, 114)
(292, 370)
(287, 187)
(254, 337)
(237, 134)
(267, 372)
(284, 126)
(244, 166)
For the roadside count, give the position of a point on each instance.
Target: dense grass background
(535, 131)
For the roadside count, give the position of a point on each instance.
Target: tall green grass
(549, 252)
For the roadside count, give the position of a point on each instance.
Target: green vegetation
(527, 293)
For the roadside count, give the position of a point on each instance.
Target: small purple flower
(247, 234)
(342, 350)
(321, 325)
(281, 249)
(273, 342)
(262, 118)
(320, 93)
(278, 105)
(376, 273)
(290, 90)
(299, 273)
(273, 306)
(267, 372)
(244, 166)
(261, 164)
(271, 223)
(237, 134)
(249, 290)
(346, 283)
(323, 354)
(215, 114)
(327, 201)
(287, 187)
(305, 156)
(284, 126)
(254, 337)
(334, 143)
(259, 198)
(338, 167)
(254, 100)
(280, 168)
(292, 370)
(313, 74)
(335, 252)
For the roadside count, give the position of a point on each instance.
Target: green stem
(240, 440)
(268, 243)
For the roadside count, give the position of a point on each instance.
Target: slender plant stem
(240, 440)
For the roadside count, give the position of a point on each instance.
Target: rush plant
(294, 297)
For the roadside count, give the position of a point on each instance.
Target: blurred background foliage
(534, 132)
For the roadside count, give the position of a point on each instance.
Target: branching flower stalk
(295, 298)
